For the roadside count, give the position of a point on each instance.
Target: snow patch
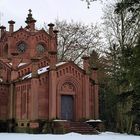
(94, 121)
(59, 120)
(27, 76)
(41, 70)
(69, 136)
(22, 64)
(60, 63)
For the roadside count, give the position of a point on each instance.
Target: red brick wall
(4, 94)
(23, 100)
(43, 97)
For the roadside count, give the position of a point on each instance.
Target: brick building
(35, 86)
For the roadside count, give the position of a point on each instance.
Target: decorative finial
(11, 22)
(30, 11)
(29, 17)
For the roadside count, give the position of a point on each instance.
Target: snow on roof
(41, 70)
(94, 121)
(22, 64)
(27, 76)
(45, 69)
(60, 120)
(60, 63)
(10, 64)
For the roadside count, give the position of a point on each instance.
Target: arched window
(6, 50)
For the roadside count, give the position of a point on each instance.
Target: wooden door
(67, 107)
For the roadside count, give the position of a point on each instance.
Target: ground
(70, 136)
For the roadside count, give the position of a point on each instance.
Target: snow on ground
(69, 136)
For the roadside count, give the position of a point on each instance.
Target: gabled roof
(42, 31)
(21, 30)
(22, 64)
(73, 64)
(27, 31)
(3, 62)
(42, 70)
(58, 66)
(4, 36)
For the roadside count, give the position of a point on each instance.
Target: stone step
(81, 127)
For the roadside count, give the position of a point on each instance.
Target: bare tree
(76, 39)
(88, 2)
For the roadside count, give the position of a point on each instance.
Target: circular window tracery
(67, 87)
(40, 48)
(22, 47)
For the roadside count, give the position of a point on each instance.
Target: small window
(28, 124)
(6, 50)
(22, 124)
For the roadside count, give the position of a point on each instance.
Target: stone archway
(68, 90)
(67, 101)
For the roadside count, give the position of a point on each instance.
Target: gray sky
(49, 10)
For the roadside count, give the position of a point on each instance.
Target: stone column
(86, 84)
(96, 95)
(51, 25)
(11, 101)
(15, 62)
(2, 30)
(11, 26)
(96, 101)
(55, 42)
(52, 86)
(14, 76)
(34, 90)
(86, 97)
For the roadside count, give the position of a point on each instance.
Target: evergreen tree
(122, 34)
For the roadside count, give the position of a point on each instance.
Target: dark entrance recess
(67, 107)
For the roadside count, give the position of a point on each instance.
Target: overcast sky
(49, 10)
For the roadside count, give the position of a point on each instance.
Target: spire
(30, 20)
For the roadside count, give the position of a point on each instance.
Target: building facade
(35, 86)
